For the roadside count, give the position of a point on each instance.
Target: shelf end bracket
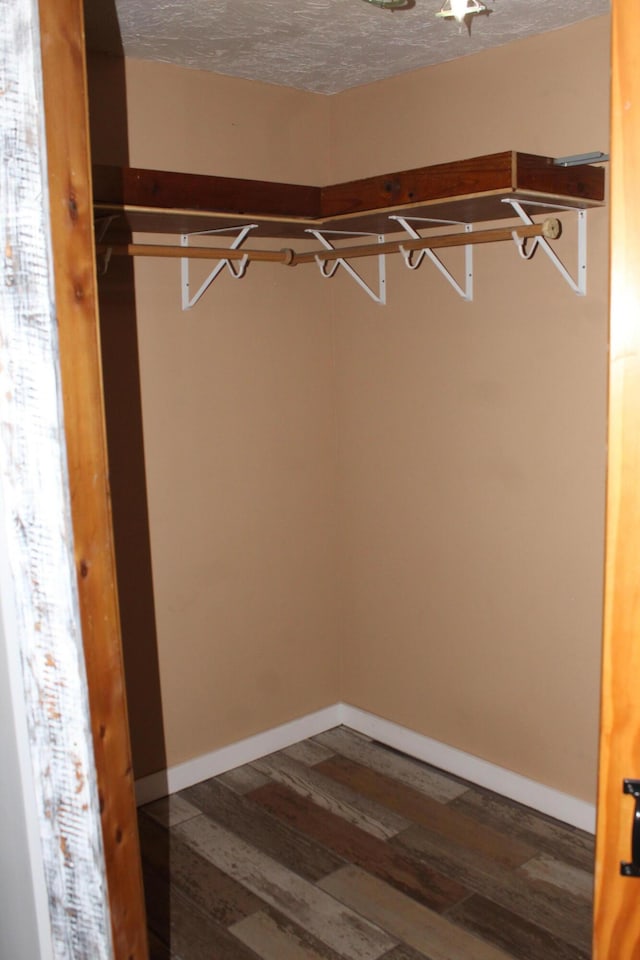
(579, 283)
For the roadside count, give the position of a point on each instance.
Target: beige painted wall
(546, 94)
(237, 402)
(472, 436)
(399, 507)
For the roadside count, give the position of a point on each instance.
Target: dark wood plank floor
(339, 848)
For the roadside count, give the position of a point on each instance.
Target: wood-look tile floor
(339, 848)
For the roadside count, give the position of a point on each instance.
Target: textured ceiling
(324, 46)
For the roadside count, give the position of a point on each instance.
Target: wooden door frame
(54, 493)
(71, 213)
(40, 622)
(617, 918)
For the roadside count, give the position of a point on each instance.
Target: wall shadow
(125, 443)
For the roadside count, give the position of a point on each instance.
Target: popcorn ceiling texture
(323, 46)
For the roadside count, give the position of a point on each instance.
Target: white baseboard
(545, 799)
(243, 751)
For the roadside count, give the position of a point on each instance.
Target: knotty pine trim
(65, 97)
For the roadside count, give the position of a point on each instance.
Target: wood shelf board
(506, 171)
(162, 190)
(468, 191)
(137, 219)
(473, 208)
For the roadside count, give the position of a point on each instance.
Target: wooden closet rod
(549, 228)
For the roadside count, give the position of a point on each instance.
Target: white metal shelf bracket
(328, 268)
(236, 272)
(412, 263)
(102, 224)
(579, 284)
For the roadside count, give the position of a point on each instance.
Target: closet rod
(549, 228)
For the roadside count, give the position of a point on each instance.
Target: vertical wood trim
(617, 918)
(66, 112)
(39, 608)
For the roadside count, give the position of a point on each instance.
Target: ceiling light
(461, 9)
(392, 4)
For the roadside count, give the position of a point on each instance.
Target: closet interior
(377, 503)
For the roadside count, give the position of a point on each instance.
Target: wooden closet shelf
(468, 191)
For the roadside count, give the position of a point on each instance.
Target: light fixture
(392, 4)
(461, 9)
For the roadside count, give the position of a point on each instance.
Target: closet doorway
(616, 894)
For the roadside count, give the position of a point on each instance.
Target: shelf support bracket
(412, 263)
(102, 225)
(189, 301)
(578, 284)
(328, 269)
